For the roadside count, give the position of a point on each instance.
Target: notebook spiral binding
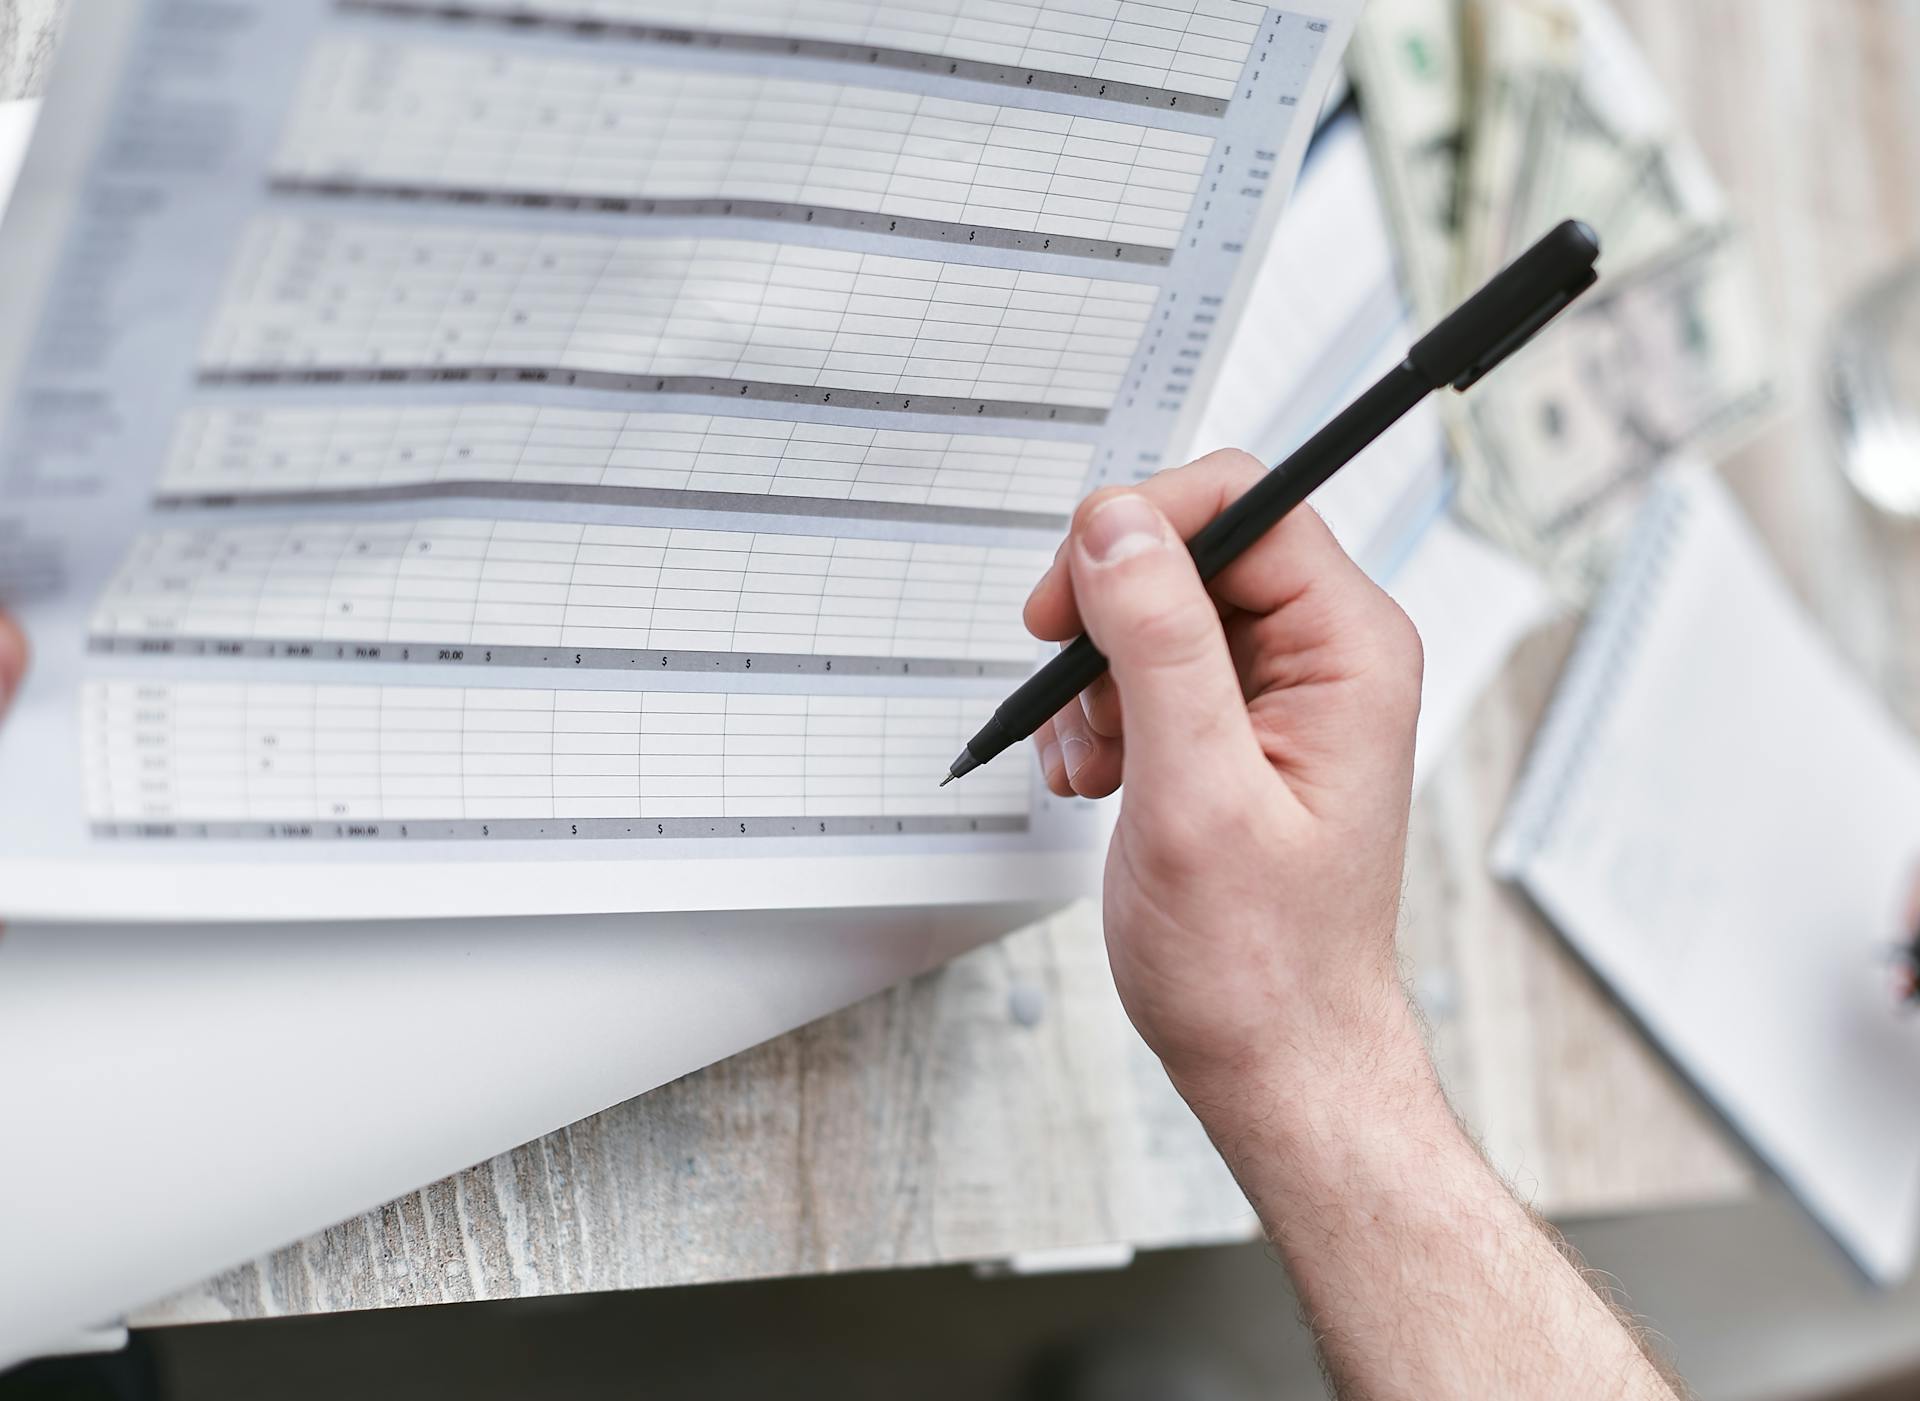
(1584, 697)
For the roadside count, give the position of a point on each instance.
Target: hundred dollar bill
(1569, 120)
(1661, 360)
(1665, 357)
(1524, 53)
(1407, 62)
(1492, 120)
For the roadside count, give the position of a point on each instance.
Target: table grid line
(1165, 53)
(457, 588)
(163, 753)
(414, 120)
(280, 451)
(317, 294)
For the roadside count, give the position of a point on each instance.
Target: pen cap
(1506, 313)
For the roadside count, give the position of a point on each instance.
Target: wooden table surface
(930, 1125)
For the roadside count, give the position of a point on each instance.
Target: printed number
(660, 828)
(489, 656)
(749, 663)
(485, 830)
(663, 661)
(575, 829)
(743, 829)
(576, 659)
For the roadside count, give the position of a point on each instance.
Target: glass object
(1873, 383)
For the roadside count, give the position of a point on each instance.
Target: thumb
(1143, 604)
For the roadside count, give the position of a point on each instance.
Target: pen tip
(948, 779)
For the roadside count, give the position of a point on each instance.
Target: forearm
(1419, 1273)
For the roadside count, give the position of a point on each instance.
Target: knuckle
(1400, 658)
(1102, 704)
(1171, 632)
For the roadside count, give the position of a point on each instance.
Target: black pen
(1482, 331)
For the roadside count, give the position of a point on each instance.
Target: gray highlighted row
(944, 405)
(829, 50)
(567, 658)
(520, 829)
(773, 211)
(654, 498)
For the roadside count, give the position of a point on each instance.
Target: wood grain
(929, 1125)
(922, 1126)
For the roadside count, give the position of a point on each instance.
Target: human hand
(1252, 891)
(1266, 737)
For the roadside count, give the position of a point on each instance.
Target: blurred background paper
(1721, 819)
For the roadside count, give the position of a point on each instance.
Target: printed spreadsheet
(592, 454)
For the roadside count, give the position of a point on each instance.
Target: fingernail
(1049, 756)
(1121, 527)
(1075, 751)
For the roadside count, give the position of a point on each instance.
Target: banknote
(1660, 361)
(1567, 118)
(1522, 51)
(1407, 60)
(1554, 114)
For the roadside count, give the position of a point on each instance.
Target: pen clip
(1525, 332)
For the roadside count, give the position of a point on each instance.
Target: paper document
(1325, 319)
(1722, 821)
(502, 458)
